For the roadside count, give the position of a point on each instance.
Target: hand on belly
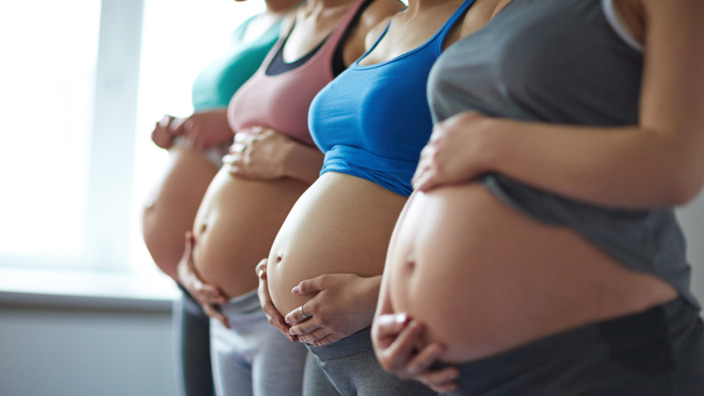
(339, 306)
(401, 349)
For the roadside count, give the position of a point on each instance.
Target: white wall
(62, 351)
(692, 220)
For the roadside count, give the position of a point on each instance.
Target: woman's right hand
(209, 296)
(166, 129)
(275, 318)
(396, 338)
(163, 134)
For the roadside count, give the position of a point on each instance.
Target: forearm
(303, 162)
(626, 167)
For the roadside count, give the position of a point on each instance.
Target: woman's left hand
(342, 305)
(456, 152)
(259, 153)
(396, 339)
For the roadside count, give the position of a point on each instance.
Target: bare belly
(172, 205)
(236, 225)
(486, 278)
(342, 224)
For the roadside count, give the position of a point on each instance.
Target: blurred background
(83, 309)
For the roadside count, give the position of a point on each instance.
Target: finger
(314, 335)
(389, 325)
(238, 147)
(309, 286)
(425, 182)
(421, 168)
(212, 294)
(422, 362)
(260, 269)
(400, 351)
(298, 315)
(165, 121)
(282, 327)
(233, 159)
(228, 159)
(234, 170)
(444, 380)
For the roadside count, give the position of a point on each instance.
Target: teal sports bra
(217, 83)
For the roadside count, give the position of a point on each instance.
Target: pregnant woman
(542, 255)
(196, 145)
(271, 163)
(371, 122)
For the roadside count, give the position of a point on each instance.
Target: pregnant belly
(235, 226)
(341, 224)
(485, 278)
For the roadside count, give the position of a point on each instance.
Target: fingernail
(401, 318)
(295, 290)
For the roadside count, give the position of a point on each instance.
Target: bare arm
(655, 163)
(207, 128)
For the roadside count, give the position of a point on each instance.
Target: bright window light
(179, 39)
(48, 81)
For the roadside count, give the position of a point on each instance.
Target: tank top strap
(286, 26)
(440, 37)
(338, 32)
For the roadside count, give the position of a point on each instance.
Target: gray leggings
(254, 358)
(659, 352)
(352, 368)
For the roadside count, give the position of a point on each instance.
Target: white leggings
(254, 358)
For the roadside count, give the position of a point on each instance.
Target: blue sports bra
(372, 121)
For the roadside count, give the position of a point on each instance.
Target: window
(83, 83)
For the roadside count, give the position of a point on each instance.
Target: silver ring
(303, 314)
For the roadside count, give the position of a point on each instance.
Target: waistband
(245, 303)
(675, 327)
(356, 343)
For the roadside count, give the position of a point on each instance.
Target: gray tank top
(562, 61)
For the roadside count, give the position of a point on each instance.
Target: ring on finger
(303, 314)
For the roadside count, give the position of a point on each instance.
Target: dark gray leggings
(352, 368)
(659, 352)
(192, 347)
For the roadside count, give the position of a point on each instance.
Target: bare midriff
(341, 224)
(486, 278)
(172, 205)
(235, 226)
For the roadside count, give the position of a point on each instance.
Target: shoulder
(379, 11)
(479, 14)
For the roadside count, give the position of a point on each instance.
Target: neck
(321, 5)
(280, 7)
